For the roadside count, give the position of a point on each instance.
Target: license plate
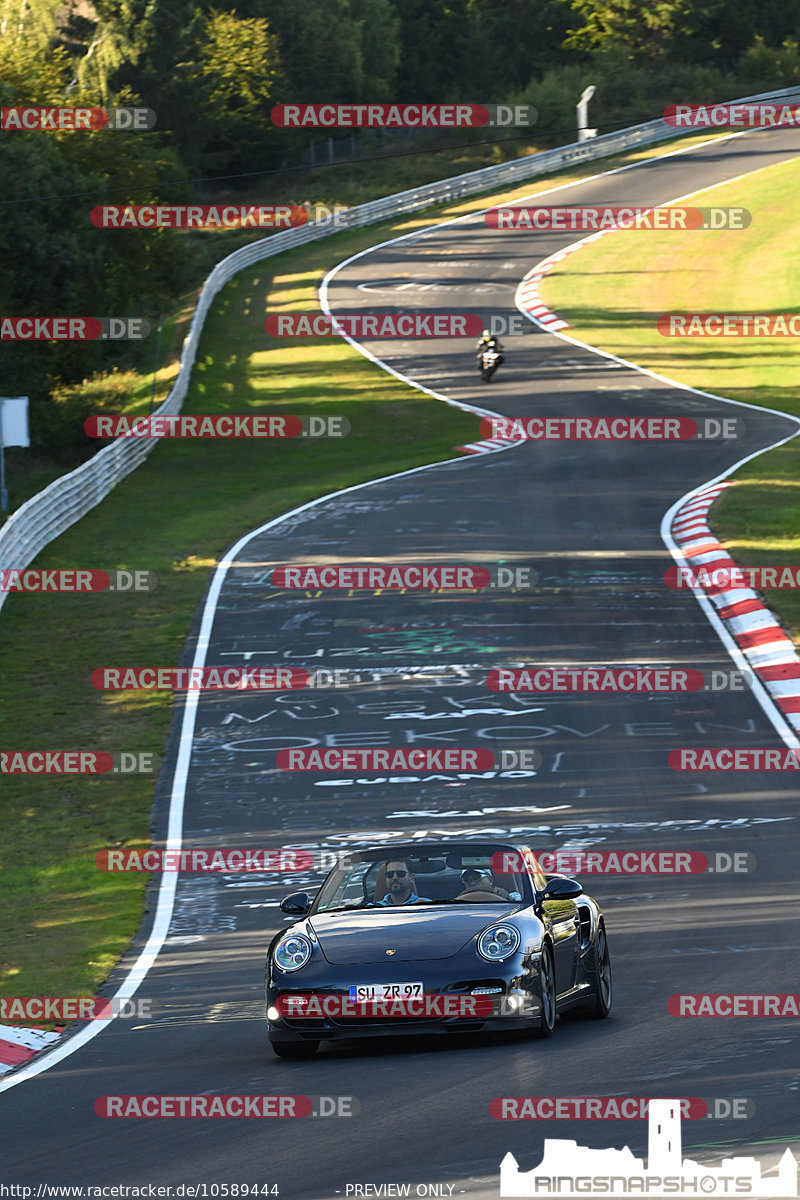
(384, 991)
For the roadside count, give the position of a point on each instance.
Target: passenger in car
(479, 885)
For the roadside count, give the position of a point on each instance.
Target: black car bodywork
(345, 938)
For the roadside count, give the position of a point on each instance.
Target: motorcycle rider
(488, 341)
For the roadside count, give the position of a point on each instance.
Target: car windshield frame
(347, 888)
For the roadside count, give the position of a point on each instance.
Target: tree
(379, 29)
(237, 82)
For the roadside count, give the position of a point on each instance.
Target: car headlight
(293, 952)
(498, 942)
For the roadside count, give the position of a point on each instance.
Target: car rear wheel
(603, 988)
(295, 1049)
(546, 1021)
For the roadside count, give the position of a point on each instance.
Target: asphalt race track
(585, 516)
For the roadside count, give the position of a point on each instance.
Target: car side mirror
(562, 889)
(296, 905)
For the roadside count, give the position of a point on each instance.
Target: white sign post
(13, 432)
(583, 114)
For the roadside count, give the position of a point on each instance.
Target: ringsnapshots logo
(375, 325)
(216, 426)
(402, 116)
(73, 329)
(404, 577)
(59, 119)
(567, 1169)
(731, 116)
(596, 218)
(76, 580)
(610, 429)
(621, 680)
(729, 325)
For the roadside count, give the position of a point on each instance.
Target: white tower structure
(664, 1152)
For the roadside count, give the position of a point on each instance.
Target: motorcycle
(488, 363)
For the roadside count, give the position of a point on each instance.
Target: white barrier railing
(50, 512)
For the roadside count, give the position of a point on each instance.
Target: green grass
(63, 923)
(625, 280)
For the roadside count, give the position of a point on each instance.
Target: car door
(563, 918)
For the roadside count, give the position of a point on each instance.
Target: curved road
(586, 517)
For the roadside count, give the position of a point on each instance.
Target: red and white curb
(770, 653)
(528, 295)
(19, 1046)
(528, 299)
(487, 446)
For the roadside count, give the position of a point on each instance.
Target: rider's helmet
(486, 334)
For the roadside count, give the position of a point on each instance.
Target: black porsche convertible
(434, 937)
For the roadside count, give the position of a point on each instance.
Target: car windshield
(463, 877)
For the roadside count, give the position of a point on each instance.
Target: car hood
(416, 934)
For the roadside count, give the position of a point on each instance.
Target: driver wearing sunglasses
(400, 882)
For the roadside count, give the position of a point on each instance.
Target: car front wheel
(603, 988)
(546, 1021)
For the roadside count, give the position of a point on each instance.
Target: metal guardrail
(52, 511)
